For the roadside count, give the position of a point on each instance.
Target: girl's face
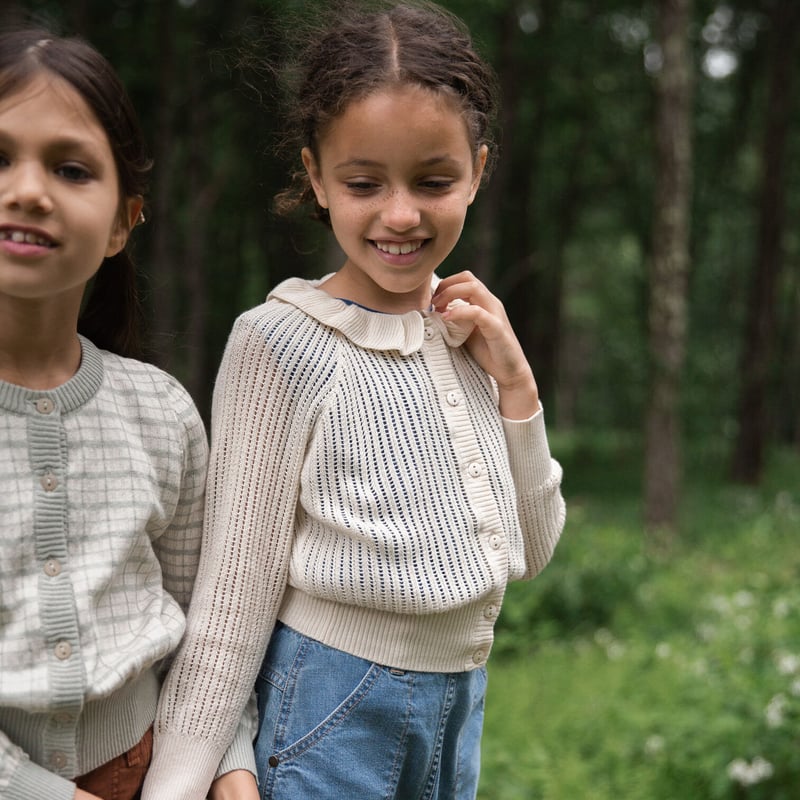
(396, 172)
(60, 211)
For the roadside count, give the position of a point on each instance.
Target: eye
(361, 186)
(74, 173)
(437, 184)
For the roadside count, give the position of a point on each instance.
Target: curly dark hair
(360, 48)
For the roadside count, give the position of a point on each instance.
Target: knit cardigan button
(44, 405)
(49, 482)
(52, 567)
(63, 651)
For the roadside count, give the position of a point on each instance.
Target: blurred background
(642, 229)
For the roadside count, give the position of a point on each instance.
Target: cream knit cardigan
(363, 489)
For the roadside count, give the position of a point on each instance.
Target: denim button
(273, 761)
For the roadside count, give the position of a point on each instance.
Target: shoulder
(282, 332)
(148, 380)
(150, 393)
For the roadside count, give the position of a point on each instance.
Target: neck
(39, 348)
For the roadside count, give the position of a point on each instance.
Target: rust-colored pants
(123, 776)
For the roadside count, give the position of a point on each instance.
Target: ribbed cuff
(31, 780)
(182, 768)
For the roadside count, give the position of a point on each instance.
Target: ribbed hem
(104, 729)
(453, 641)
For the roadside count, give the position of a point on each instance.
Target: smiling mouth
(399, 248)
(26, 237)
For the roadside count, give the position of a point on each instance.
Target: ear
(126, 219)
(477, 171)
(314, 175)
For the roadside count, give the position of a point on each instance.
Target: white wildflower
(603, 637)
(615, 651)
(663, 650)
(781, 608)
(719, 603)
(747, 774)
(775, 710)
(787, 663)
(654, 745)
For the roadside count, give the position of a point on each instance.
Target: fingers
(464, 298)
(465, 286)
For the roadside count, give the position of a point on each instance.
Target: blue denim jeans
(336, 727)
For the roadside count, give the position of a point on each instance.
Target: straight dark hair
(111, 314)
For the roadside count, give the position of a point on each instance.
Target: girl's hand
(492, 343)
(81, 795)
(239, 784)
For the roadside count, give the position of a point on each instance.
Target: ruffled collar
(371, 330)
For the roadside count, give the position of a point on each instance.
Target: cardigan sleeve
(537, 481)
(260, 419)
(178, 546)
(21, 778)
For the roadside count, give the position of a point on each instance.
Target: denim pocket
(319, 691)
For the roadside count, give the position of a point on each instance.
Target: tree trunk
(163, 261)
(488, 205)
(756, 362)
(669, 267)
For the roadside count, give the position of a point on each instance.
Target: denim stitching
(334, 719)
(433, 768)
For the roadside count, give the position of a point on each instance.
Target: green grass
(641, 670)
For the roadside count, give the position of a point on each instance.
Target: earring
(140, 220)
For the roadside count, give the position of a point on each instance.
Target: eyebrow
(78, 144)
(366, 162)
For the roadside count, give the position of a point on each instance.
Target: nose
(400, 211)
(25, 188)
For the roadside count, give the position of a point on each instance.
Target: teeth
(396, 249)
(26, 237)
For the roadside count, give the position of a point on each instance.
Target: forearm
(237, 785)
(519, 400)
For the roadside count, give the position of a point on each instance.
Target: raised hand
(492, 343)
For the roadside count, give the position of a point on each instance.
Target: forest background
(641, 228)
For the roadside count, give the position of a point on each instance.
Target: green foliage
(634, 668)
(561, 232)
